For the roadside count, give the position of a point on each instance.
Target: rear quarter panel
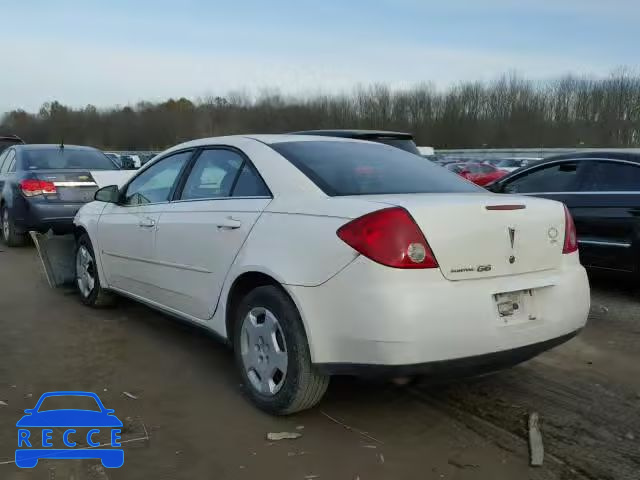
(295, 242)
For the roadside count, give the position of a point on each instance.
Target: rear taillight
(570, 235)
(32, 187)
(390, 237)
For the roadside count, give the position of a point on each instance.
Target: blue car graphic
(67, 419)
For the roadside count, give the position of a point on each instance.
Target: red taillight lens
(570, 235)
(32, 187)
(389, 237)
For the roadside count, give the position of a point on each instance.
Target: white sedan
(316, 256)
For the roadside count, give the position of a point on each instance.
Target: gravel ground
(189, 418)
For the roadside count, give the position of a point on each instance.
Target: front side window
(213, 175)
(560, 177)
(361, 168)
(614, 177)
(156, 184)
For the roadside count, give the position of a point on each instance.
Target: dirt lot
(189, 419)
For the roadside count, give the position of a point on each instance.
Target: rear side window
(56, 158)
(614, 177)
(249, 184)
(359, 168)
(213, 175)
(560, 177)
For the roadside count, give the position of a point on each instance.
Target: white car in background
(317, 256)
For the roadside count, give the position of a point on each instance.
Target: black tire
(97, 296)
(303, 386)
(9, 235)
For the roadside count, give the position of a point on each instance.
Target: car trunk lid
(482, 235)
(72, 186)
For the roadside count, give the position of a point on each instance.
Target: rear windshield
(355, 168)
(63, 158)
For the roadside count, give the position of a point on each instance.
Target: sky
(119, 52)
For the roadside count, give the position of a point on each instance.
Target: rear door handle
(229, 223)
(147, 223)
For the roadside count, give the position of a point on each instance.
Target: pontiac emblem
(512, 235)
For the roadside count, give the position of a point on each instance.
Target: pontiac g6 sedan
(317, 256)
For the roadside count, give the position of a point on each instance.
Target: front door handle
(147, 223)
(229, 223)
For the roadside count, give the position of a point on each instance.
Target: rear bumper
(369, 314)
(447, 369)
(41, 216)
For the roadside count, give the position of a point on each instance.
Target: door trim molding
(158, 262)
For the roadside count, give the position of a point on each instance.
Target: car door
(609, 208)
(126, 231)
(201, 232)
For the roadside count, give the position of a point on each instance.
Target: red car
(478, 173)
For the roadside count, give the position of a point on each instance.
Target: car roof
(597, 154)
(268, 139)
(633, 157)
(358, 134)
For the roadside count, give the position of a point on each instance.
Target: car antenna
(62, 144)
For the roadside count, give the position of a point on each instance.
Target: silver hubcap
(264, 351)
(5, 224)
(85, 271)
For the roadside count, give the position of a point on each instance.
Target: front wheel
(272, 353)
(87, 278)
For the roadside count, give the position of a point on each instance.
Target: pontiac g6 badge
(512, 238)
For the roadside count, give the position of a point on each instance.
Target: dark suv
(43, 186)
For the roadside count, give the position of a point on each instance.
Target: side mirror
(109, 194)
(29, 411)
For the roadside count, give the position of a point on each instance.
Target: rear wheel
(87, 278)
(10, 236)
(272, 353)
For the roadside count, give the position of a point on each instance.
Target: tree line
(508, 112)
